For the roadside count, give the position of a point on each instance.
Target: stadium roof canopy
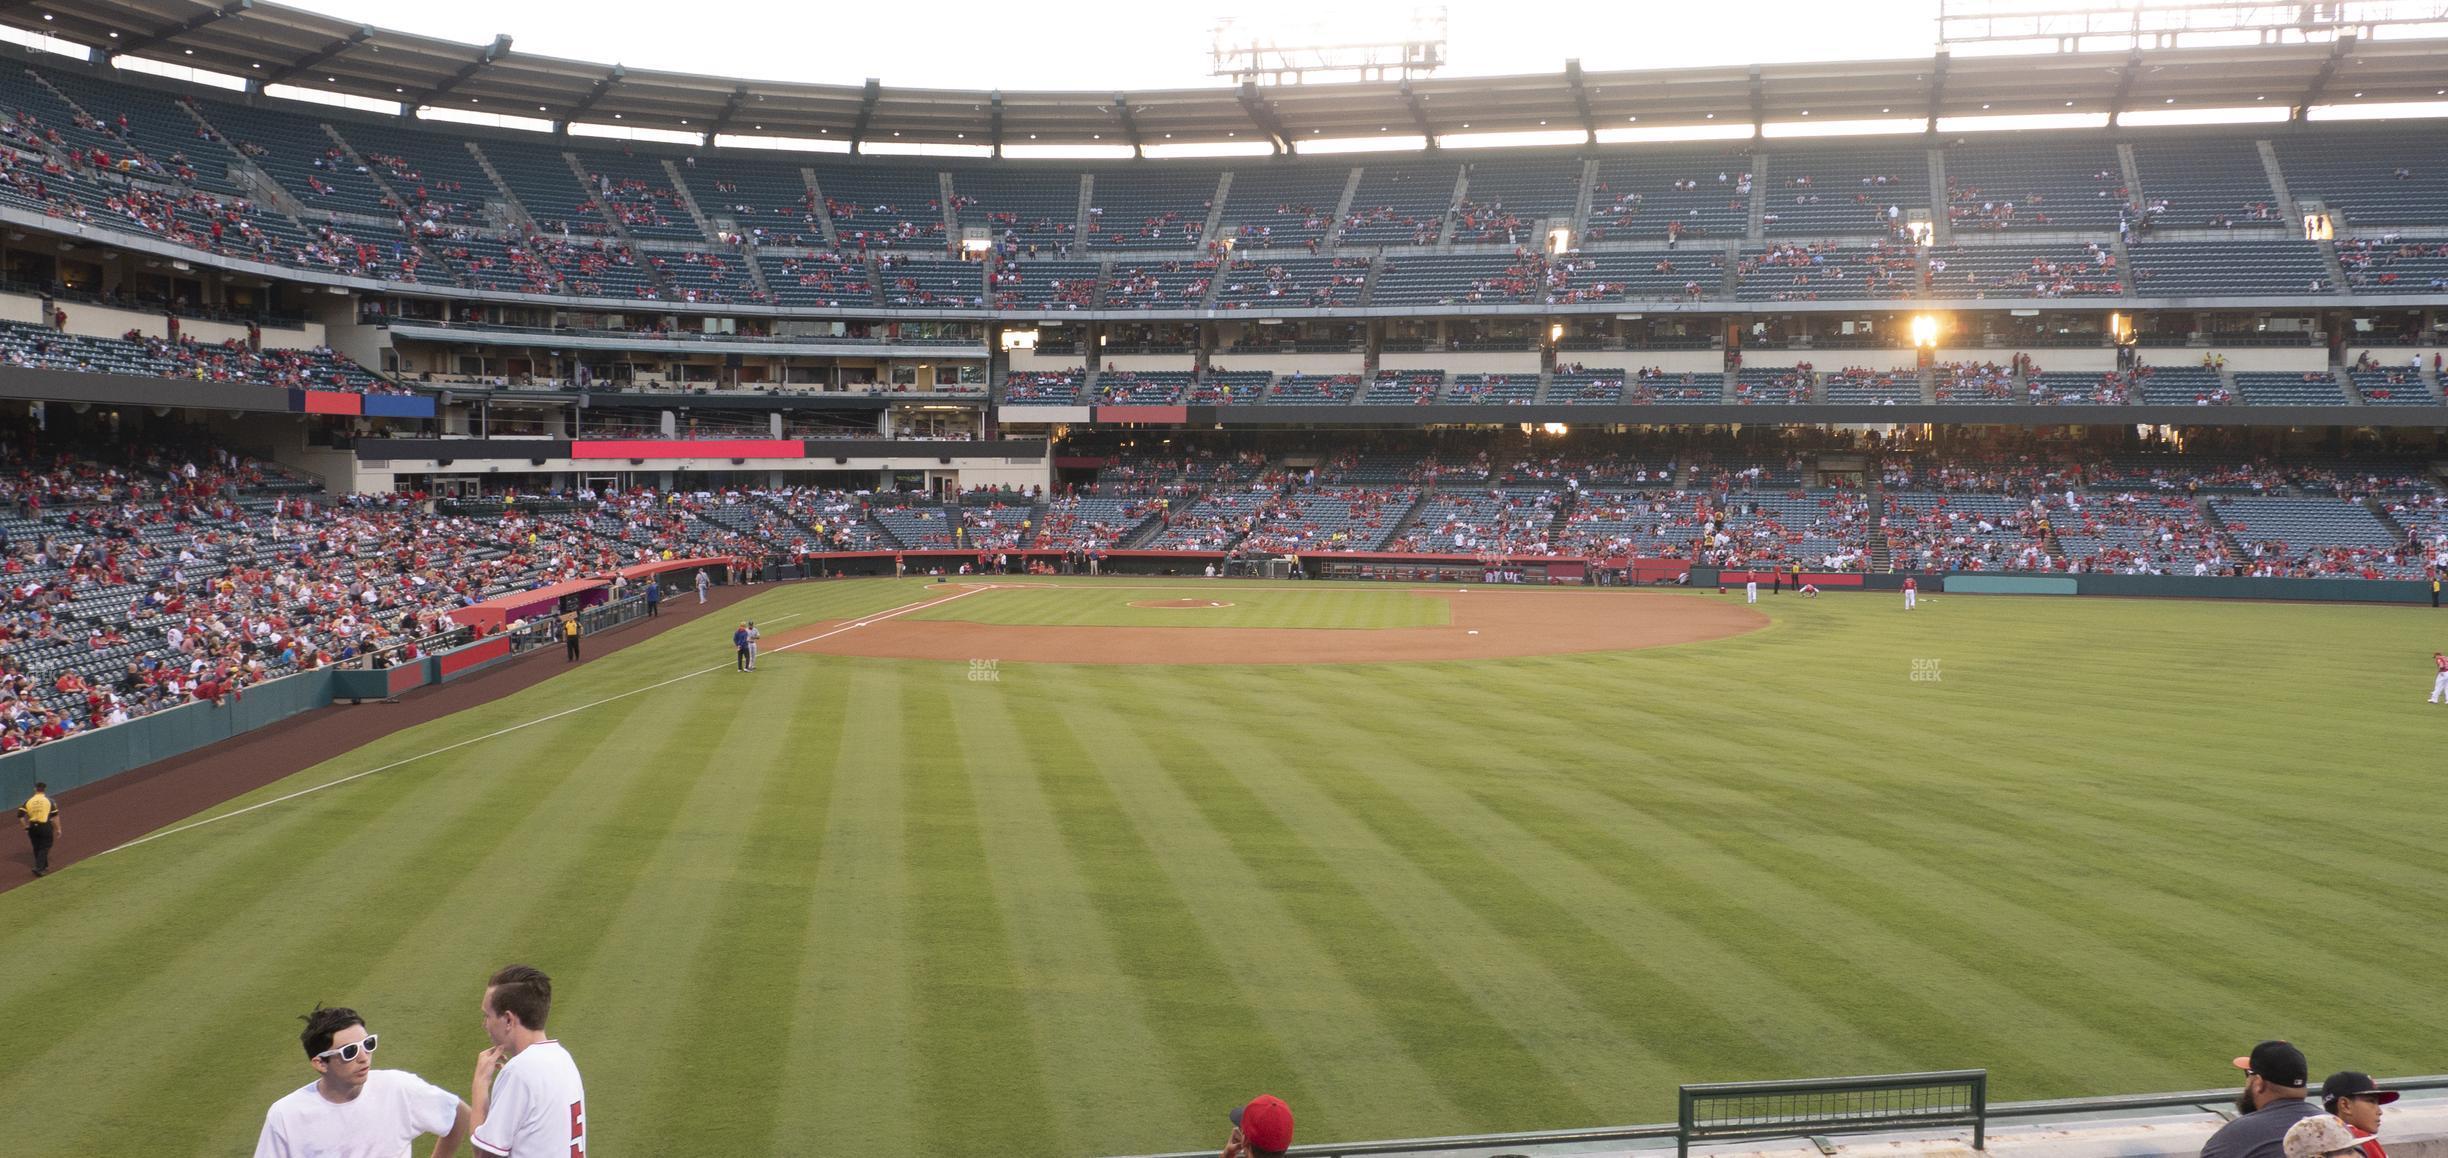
(272, 44)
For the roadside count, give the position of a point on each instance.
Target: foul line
(355, 776)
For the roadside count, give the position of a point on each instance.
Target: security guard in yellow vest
(41, 820)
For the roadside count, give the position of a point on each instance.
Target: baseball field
(1517, 860)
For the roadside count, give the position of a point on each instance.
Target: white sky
(1139, 44)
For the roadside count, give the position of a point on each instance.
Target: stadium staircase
(945, 197)
(1942, 224)
(248, 175)
(1581, 201)
(2345, 382)
(1453, 218)
(817, 207)
(374, 173)
(688, 201)
(2124, 260)
(2278, 185)
(603, 204)
(2210, 518)
(1215, 208)
(1755, 225)
(1874, 489)
(2134, 197)
(2379, 511)
(1081, 217)
(1334, 227)
(519, 217)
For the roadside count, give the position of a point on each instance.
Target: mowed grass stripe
(756, 943)
(656, 934)
(1531, 987)
(1214, 1045)
(1357, 766)
(1673, 967)
(1460, 1044)
(978, 1058)
(1347, 1062)
(1855, 936)
(1096, 1044)
(848, 1056)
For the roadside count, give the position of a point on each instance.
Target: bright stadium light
(1925, 330)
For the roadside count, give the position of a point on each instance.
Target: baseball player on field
(1912, 591)
(2439, 682)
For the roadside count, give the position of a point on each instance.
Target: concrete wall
(1291, 363)
(1670, 361)
(1031, 360)
(2394, 357)
(19, 308)
(307, 337)
(104, 322)
(1183, 362)
(215, 333)
(1826, 360)
(1513, 362)
(2246, 357)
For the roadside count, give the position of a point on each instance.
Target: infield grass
(1315, 606)
(883, 907)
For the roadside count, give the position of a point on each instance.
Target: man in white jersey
(529, 1102)
(351, 1109)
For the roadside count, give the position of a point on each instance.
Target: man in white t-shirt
(351, 1109)
(528, 1099)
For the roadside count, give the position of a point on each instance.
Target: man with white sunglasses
(351, 1109)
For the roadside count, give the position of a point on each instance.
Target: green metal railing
(1723, 1111)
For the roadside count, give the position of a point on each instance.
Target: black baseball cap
(2354, 1083)
(2278, 1063)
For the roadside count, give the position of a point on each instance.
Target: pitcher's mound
(1180, 604)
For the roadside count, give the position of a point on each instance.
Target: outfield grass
(872, 906)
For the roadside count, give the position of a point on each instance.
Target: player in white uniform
(2439, 683)
(1751, 590)
(351, 1109)
(529, 1102)
(1912, 591)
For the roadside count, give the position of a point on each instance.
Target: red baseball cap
(1266, 1124)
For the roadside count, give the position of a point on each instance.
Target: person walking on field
(753, 636)
(569, 634)
(1912, 591)
(739, 645)
(40, 817)
(1751, 590)
(2439, 679)
(703, 583)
